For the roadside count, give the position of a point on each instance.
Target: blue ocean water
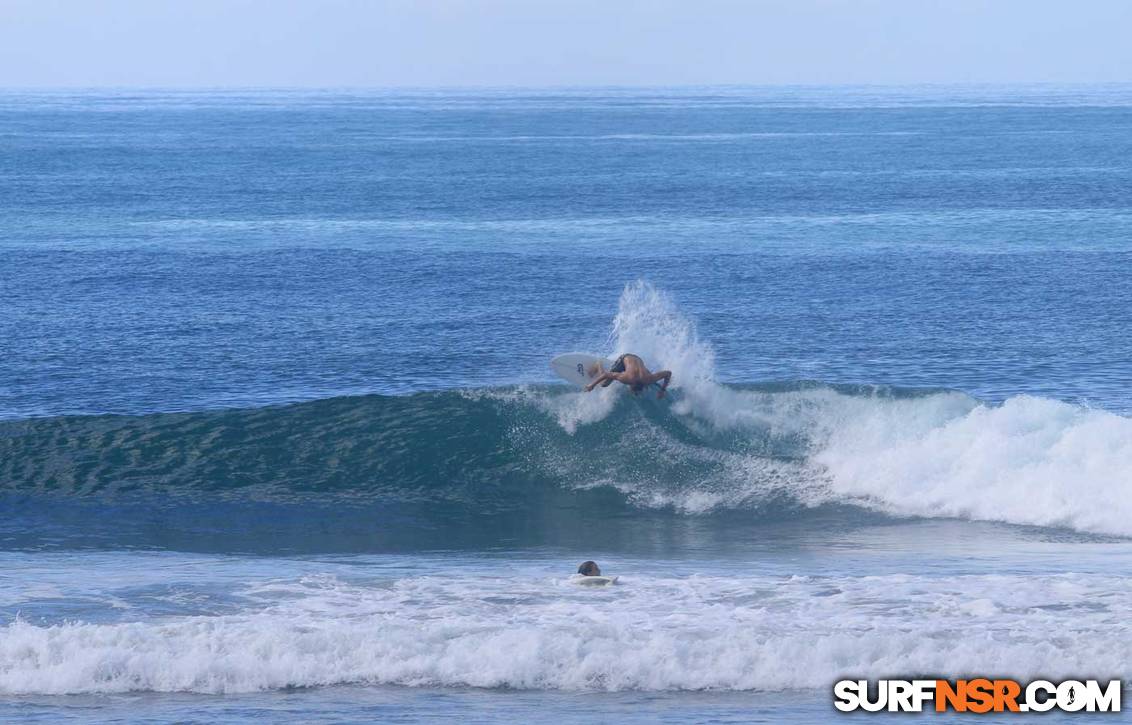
(278, 437)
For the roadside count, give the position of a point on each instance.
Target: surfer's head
(589, 568)
(637, 388)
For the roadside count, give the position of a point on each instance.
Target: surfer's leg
(632, 365)
(617, 367)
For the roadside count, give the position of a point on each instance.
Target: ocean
(279, 439)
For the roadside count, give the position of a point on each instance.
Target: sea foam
(1028, 460)
(662, 633)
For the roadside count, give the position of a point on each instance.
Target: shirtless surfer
(630, 370)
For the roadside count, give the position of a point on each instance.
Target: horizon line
(566, 86)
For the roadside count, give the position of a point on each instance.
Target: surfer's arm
(600, 379)
(666, 376)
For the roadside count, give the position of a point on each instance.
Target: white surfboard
(579, 368)
(594, 581)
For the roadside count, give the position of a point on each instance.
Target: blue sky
(577, 42)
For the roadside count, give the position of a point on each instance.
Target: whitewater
(1025, 460)
(518, 628)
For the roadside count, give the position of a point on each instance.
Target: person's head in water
(589, 568)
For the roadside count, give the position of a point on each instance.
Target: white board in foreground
(579, 368)
(593, 581)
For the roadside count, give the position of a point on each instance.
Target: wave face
(712, 447)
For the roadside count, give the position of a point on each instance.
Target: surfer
(630, 369)
(589, 574)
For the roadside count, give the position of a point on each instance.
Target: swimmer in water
(589, 568)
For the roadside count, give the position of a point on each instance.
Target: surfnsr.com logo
(977, 695)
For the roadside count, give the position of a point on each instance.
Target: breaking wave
(530, 632)
(711, 447)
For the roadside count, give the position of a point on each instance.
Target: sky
(392, 43)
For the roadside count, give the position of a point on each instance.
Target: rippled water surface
(278, 438)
